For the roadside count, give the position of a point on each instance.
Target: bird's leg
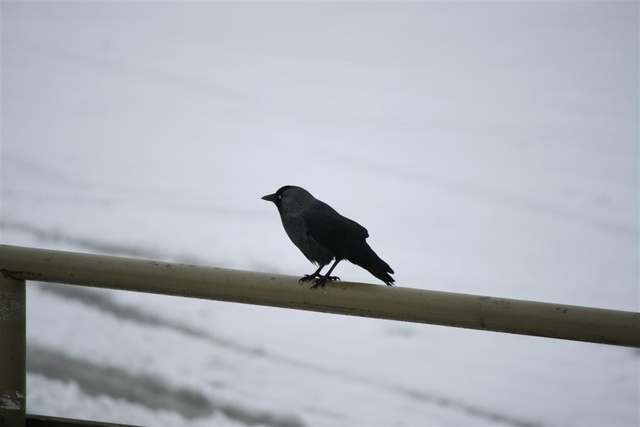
(320, 281)
(312, 276)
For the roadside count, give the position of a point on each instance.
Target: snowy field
(490, 148)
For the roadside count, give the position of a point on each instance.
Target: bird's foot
(321, 281)
(309, 278)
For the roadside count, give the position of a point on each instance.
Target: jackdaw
(322, 234)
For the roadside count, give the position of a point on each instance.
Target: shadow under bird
(322, 234)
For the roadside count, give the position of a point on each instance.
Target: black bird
(322, 234)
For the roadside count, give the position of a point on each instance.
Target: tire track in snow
(103, 302)
(145, 390)
(501, 197)
(60, 237)
(77, 190)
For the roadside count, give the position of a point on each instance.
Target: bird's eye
(279, 196)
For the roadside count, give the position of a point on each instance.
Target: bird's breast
(298, 231)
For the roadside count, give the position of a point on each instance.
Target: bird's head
(287, 195)
(277, 196)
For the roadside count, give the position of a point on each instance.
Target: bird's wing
(330, 229)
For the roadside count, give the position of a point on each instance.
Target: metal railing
(19, 264)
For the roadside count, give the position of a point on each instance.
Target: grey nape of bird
(322, 234)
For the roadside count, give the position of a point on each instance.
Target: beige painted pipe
(356, 299)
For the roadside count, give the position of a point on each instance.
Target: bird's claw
(309, 278)
(321, 281)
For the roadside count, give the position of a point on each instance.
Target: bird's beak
(270, 198)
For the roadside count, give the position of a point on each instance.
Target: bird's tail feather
(365, 257)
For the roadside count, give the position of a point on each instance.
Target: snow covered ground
(490, 148)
